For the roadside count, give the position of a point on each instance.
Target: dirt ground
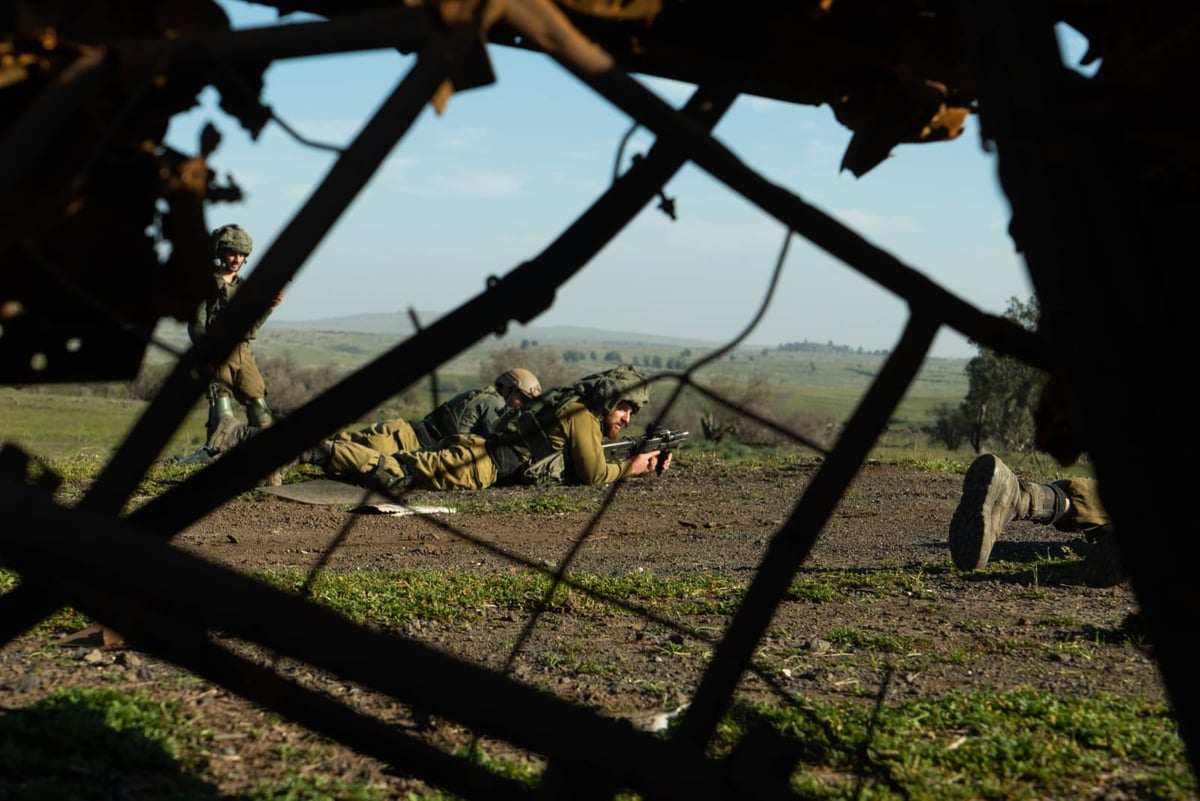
(1022, 624)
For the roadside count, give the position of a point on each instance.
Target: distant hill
(399, 324)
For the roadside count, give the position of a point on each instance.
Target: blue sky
(489, 183)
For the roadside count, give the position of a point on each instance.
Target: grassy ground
(60, 421)
(52, 424)
(78, 430)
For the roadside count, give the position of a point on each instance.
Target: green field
(803, 390)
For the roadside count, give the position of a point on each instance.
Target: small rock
(129, 660)
(26, 682)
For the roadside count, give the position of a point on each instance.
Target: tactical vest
(446, 418)
(526, 429)
(522, 436)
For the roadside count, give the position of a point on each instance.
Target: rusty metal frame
(124, 572)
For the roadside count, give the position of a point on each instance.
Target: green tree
(950, 426)
(1003, 390)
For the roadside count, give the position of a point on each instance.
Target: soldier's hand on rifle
(649, 462)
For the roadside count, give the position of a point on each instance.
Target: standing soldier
(236, 378)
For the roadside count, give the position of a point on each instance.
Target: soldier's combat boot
(391, 483)
(992, 497)
(229, 434)
(258, 414)
(218, 409)
(200, 456)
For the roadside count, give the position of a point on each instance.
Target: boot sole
(970, 540)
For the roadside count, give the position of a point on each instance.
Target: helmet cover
(603, 391)
(232, 237)
(521, 379)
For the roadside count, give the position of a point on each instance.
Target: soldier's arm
(198, 325)
(585, 451)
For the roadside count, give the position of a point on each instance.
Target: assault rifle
(656, 438)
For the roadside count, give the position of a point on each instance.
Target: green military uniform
(1086, 511)
(475, 411)
(238, 376)
(389, 437)
(556, 439)
(462, 462)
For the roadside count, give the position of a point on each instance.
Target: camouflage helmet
(521, 379)
(603, 391)
(232, 237)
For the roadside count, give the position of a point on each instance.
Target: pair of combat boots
(993, 497)
(224, 431)
(230, 432)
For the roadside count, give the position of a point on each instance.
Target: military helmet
(521, 379)
(232, 237)
(603, 391)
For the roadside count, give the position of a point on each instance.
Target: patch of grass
(52, 424)
(451, 596)
(533, 504)
(301, 785)
(78, 472)
(852, 639)
(521, 772)
(98, 744)
(64, 621)
(1022, 744)
(931, 463)
(393, 599)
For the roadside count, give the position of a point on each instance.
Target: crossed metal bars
(124, 572)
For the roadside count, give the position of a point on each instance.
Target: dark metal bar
(135, 583)
(792, 543)
(542, 23)
(399, 26)
(279, 264)
(527, 290)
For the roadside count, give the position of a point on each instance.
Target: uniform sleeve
(199, 323)
(584, 447)
(207, 308)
